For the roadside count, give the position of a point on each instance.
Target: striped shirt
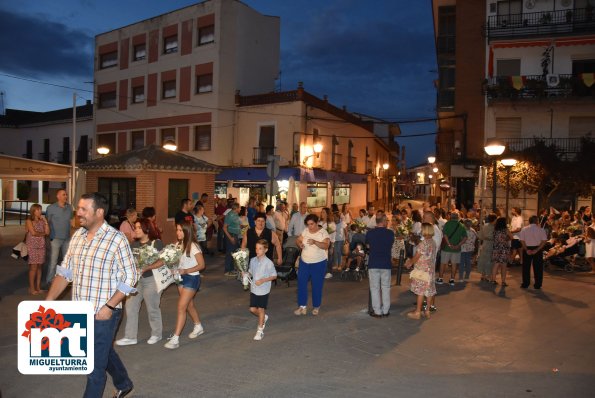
(99, 267)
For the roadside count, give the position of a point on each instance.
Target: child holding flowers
(146, 252)
(263, 272)
(190, 265)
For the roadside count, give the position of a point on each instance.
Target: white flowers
(240, 259)
(145, 256)
(170, 255)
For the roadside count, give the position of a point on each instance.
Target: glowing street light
(494, 149)
(170, 145)
(103, 150)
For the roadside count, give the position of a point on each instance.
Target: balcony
(45, 156)
(543, 23)
(536, 86)
(261, 154)
(562, 145)
(337, 165)
(63, 157)
(447, 153)
(351, 168)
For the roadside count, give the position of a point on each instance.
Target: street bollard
(400, 267)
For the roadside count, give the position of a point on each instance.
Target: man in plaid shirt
(101, 267)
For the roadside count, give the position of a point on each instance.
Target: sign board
(273, 166)
(248, 184)
(275, 190)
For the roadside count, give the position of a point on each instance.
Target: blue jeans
(56, 246)
(230, 248)
(314, 272)
(106, 359)
(338, 253)
(465, 266)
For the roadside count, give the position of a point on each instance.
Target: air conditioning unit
(552, 80)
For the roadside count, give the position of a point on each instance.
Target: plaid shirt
(99, 267)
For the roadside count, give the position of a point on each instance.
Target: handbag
(163, 277)
(345, 249)
(420, 275)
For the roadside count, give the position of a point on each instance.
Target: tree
(541, 169)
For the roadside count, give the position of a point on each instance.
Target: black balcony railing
(543, 23)
(447, 153)
(45, 156)
(261, 154)
(561, 145)
(63, 157)
(351, 167)
(538, 86)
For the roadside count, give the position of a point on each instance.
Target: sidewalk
(482, 342)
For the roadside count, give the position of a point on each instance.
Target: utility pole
(73, 154)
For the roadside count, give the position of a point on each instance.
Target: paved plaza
(483, 341)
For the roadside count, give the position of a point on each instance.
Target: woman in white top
(327, 222)
(314, 242)
(191, 263)
(345, 215)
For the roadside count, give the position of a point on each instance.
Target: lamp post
(431, 161)
(102, 150)
(170, 145)
(494, 149)
(508, 163)
(385, 168)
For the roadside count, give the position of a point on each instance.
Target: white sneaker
(153, 339)
(328, 275)
(266, 318)
(173, 342)
(126, 341)
(259, 334)
(197, 331)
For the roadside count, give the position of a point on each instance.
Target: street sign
(273, 166)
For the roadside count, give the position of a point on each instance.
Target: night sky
(374, 57)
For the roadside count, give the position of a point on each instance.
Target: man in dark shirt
(380, 241)
(184, 215)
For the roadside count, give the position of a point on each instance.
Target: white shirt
(516, 223)
(370, 222)
(312, 253)
(532, 235)
(280, 221)
(296, 225)
(190, 262)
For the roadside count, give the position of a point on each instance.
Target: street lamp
(385, 168)
(170, 145)
(508, 163)
(317, 148)
(431, 159)
(494, 149)
(103, 150)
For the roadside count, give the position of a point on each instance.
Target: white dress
(590, 245)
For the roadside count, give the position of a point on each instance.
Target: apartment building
(174, 77)
(326, 154)
(537, 65)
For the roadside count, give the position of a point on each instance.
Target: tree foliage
(546, 169)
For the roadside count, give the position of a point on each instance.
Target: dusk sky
(375, 57)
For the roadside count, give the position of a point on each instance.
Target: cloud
(35, 47)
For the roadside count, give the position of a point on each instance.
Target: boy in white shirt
(263, 272)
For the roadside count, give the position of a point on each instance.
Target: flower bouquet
(145, 256)
(330, 229)
(402, 231)
(170, 255)
(240, 259)
(361, 225)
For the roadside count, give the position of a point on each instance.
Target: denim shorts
(191, 282)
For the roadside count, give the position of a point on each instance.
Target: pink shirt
(532, 235)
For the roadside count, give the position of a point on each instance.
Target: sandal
(427, 314)
(414, 315)
(315, 311)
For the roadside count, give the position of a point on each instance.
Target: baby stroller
(286, 271)
(570, 259)
(357, 264)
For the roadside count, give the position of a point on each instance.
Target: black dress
(253, 237)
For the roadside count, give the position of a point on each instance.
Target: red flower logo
(43, 319)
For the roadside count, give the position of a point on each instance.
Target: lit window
(170, 44)
(108, 60)
(169, 89)
(140, 52)
(138, 94)
(202, 138)
(107, 100)
(204, 83)
(206, 35)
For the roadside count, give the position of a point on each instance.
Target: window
(169, 89)
(206, 35)
(107, 140)
(107, 100)
(202, 138)
(168, 135)
(29, 153)
(170, 44)
(204, 83)
(108, 60)
(509, 12)
(508, 67)
(137, 139)
(176, 191)
(508, 127)
(140, 52)
(138, 94)
(580, 126)
(120, 194)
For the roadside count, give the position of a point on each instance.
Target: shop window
(316, 195)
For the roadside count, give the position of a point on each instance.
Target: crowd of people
(430, 241)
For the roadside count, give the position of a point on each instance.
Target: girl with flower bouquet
(190, 264)
(146, 253)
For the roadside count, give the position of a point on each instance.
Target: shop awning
(317, 175)
(255, 174)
